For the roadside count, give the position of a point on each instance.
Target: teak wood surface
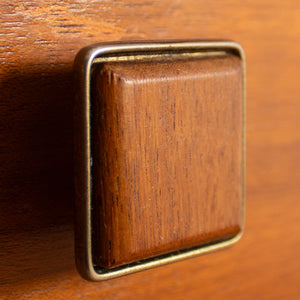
(167, 165)
(39, 41)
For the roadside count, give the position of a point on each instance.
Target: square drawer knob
(159, 149)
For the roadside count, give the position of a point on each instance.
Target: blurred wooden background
(38, 43)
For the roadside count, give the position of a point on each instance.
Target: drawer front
(38, 44)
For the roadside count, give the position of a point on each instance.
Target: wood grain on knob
(166, 156)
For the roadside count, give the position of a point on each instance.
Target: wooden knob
(165, 150)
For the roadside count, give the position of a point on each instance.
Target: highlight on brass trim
(120, 51)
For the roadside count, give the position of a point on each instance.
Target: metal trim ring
(82, 139)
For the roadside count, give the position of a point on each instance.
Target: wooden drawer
(38, 44)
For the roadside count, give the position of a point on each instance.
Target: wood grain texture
(167, 156)
(38, 43)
